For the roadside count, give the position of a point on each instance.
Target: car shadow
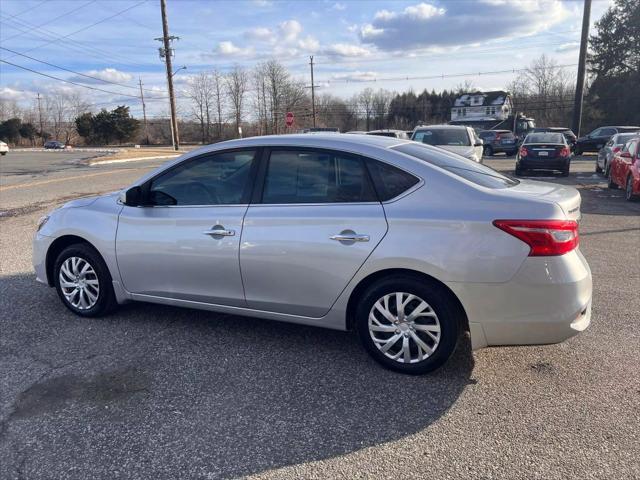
(174, 393)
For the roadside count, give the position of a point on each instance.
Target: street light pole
(166, 40)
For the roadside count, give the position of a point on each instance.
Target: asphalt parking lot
(160, 392)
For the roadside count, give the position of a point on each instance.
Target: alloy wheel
(79, 283)
(404, 327)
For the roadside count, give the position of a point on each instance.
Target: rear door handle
(219, 231)
(350, 237)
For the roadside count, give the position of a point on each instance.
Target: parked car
(625, 169)
(4, 148)
(595, 140)
(567, 132)
(54, 145)
(338, 231)
(544, 151)
(610, 149)
(454, 138)
(498, 141)
(389, 133)
(356, 132)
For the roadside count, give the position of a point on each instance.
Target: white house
(496, 105)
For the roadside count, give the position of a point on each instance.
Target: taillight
(523, 152)
(565, 152)
(498, 137)
(544, 237)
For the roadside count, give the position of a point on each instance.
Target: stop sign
(289, 119)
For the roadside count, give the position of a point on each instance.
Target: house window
(486, 110)
(493, 110)
(464, 112)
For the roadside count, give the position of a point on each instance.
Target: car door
(314, 222)
(184, 242)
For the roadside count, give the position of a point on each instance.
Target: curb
(95, 163)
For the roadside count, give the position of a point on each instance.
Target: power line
(86, 27)
(73, 71)
(64, 15)
(69, 81)
(27, 10)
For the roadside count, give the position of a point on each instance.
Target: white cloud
(426, 25)
(106, 74)
(228, 49)
(339, 6)
(346, 50)
(356, 76)
(259, 33)
(568, 47)
(289, 30)
(309, 44)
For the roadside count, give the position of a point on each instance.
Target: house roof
(495, 97)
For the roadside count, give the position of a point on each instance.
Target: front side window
(316, 176)
(215, 179)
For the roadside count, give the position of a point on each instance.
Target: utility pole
(313, 93)
(584, 41)
(144, 112)
(40, 119)
(166, 52)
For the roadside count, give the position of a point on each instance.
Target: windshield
(544, 138)
(460, 166)
(443, 136)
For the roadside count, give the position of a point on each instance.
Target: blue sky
(354, 42)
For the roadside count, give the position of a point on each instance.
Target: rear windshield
(383, 134)
(460, 166)
(545, 138)
(443, 136)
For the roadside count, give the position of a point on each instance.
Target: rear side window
(389, 180)
(460, 166)
(316, 176)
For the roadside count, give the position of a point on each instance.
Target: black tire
(441, 302)
(578, 150)
(628, 192)
(519, 170)
(611, 184)
(598, 169)
(565, 171)
(511, 153)
(106, 301)
(488, 151)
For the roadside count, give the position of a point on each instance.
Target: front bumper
(41, 245)
(547, 301)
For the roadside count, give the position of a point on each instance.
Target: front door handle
(350, 237)
(219, 231)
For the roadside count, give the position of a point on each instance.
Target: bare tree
(366, 103)
(201, 91)
(380, 106)
(237, 81)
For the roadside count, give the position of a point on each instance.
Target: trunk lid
(568, 198)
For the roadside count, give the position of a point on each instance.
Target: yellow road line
(58, 180)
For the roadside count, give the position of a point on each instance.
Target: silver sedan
(407, 244)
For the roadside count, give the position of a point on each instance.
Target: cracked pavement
(161, 392)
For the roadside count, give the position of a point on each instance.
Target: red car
(625, 169)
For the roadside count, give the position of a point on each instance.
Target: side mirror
(132, 197)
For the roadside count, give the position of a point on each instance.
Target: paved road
(158, 392)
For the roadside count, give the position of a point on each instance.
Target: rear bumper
(547, 301)
(544, 163)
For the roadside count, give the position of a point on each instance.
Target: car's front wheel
(407, 324)
(83, 281)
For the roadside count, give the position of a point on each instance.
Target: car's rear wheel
(628, 192)
(598, 169)
(408, 325)
(83, 281)
(488, 151)
(565, 171)
(519, 170)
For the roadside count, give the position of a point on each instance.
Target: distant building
(481, 106)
